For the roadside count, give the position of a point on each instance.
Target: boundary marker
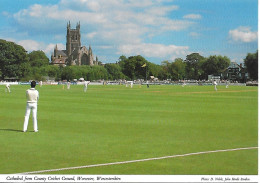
(140, 160)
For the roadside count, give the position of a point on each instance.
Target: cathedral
(75, 54)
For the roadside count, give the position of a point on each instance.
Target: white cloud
(105, 47)
(119, 23)
(93, 5)
(91, 35)
(243, 34)
(193, 16)
(48, 50)
(30, 45)
(10, 39)
(38, 18)
(7, 14)
(194, 34)
(161, 11)
(146, 16)
(59, 37)
(153, 50)
(176, 25)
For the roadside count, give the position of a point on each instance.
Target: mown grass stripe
(140, 160)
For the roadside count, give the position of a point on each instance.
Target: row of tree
(15, 62)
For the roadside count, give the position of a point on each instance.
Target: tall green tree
(193, 66)
(114, 71)
(122, 58)
(121, 61)
(98, 72)
(38, 59)
(129, 68)
(132, 67)
(140, 71)
(153, 70)
(173, 70)
(215, 65)
(165, 70)
(251, 63)
(12, 59)
(178, 69)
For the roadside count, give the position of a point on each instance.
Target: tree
(38, 59)
(121, 61)
(12, 57)
(27, 71)
(98, 72)
(173, 70)
(153, 70)
(251, 63)
(178, 69)
(140, 71)
(51, 71)
(87, 72)
(215, 65)
(114, 71)
(69, 73)
(193, 66)
(132, 67)
(122, 58)
(165, 72)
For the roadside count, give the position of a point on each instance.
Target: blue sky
(156, 29)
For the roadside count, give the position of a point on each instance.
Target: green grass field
(114, 123)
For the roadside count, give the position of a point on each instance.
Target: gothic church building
(75, 54)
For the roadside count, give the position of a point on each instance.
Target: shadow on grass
(11, 130)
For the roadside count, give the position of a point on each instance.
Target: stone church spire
(90, 49)
(55, 50)
(75, 54)
(68, 25)
(78, 26)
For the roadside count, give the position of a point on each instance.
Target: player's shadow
(11, 130)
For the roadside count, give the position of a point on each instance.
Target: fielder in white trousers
(7, 88)
(32, 96)
(86, 85)
(215, 85)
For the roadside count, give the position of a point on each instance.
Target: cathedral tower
(73, 39)
(75, 54)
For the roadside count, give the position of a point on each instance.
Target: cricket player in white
(86, 85)
(32, 96)
(227, 83)
(215, 85)
(68, 85)
(7, 88)
(131, 84)
(40, 83)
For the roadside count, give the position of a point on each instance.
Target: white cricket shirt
(32, 95)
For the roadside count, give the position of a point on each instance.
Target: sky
(158, 30)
